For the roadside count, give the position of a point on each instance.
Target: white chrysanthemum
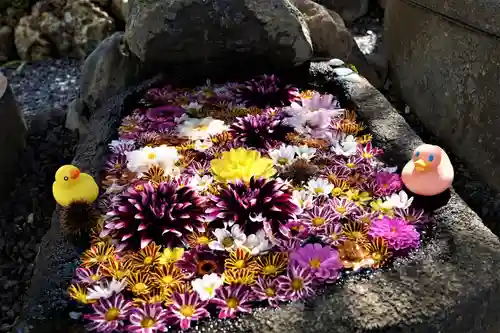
(202, 145)
(346, 146)
(305, 152)
(228, 240)
(397, 200)
(106, 289)
(319, 186)
(193, 106)
(201, 183)
(207, 285)
(201, 129)
(142, 159)
(283, 156)
(303, 199)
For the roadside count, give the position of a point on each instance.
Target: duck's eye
(417, 154)
(66, 177)
(431, 158)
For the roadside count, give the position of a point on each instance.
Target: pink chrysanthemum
(319, 217)
(387, 183)
(323, 262)
(120, 147)
(131, 126)
(333, 234)
(411, 215)
(398, 234)
(231, 300)
(296, 284)
(259, 131)
(343, 208)
(186, 308)
(109, 314)
(266, 290)
(149, 318)
(164, 214)
(266, 91)
(199, 168)
(87, 276)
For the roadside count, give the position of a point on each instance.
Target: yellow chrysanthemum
(241, 164)
(361, 198)
(79, 294)
(170, 256)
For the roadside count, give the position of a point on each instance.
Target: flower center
(118, 166)
(269, 269)
(148, 322)
(203, 240)
(148, 260)
(228, 241)
(167, 279)
(95, 277)
(367, 155)
(201, 128)
(317, 221)
(297, 284)
(319, 190)
(336, 191)
(282, 160)
(151, 156)
(140, 288)
(340, 209)
(315, 263)
(350, 165)
(187, 311)
(232, 303)
(334, 236)
(112, 314)
(240, 264)
(139, 188)
(385, 185)
(206, 267)
(393, 229)
(270, 292)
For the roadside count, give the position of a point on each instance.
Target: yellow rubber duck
(72, 185)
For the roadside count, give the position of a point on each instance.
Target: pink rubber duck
(429, 172)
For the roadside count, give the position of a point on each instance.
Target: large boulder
(62, 28)
(7, 49)
(450, 285)
(447, 71)
(350, 10)
(188, 31)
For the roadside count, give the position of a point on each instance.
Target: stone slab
(450, 285)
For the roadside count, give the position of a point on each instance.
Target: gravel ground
(43, 90)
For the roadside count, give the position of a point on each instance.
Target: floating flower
(411, 215)
(243, 277)
(170, 256)
(399, 200)
(322, 262)
(79, 294)
(283, 156)
(272, 264)
(116, 164)
(109, 314)
(202, 145)
(186, 308)
(378, 251)
(398, 234)
(145, 259)
(155, 175)
(267, 91)
(202, 183)
(266, 290)
(201, 262)
(333, 234)
(231, 300)
(319, 186)
(239, 202)
(148, 318)
(261, 131)
(163, 214)
(300, 171)
(321, 101)
(116, 268)
(241, 164)
(355, 231)
(207, 286)
(297, 284)
(319, 217)
(87, 275)
(142, 159)
(120, 147)
(139, 283)
(167, 277)
(228, 240)
(354, 256)
(151, 139)
(201, 129)
(197, 240)
(344, 208)
(240, 259)
(346, 147)
(303, 199)
(361, 198)
(98, 254)
(257, 243)
(106, 289)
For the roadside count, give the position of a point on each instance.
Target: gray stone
(449, 75)
(182, 31)
(343, 71)
(107, 70)
(350, 10)
(450, 285)
(7, 48)
(336, 63)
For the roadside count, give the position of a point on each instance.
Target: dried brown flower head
(299, 140)
(79, 218)
(353, 255)
(300, 171)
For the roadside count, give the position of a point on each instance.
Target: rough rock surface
(61, 28)
(450, 78)
(107, 70)
(7, 49)
(450, 285)
(350, 10)
(186, 31)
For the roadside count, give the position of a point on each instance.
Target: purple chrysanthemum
(333, 171)
(259, 200)
(266, 91)
(164, 214)
(199, 168)
(350, 164)
(116, 164)
(148, 318)
(162, 96)
(333, 234)
(109, 314)
(298, 229)
(163, 117)
(120, 147)
(387, 183)
(266, 290)
(231, 300)
(344, 208)
(412, 215)
(296, 284)
(319, 217)
(398, 234)
(323, 262)
(149, 138)
(131, 126)
(260, 131)
(187, 307)
(87, 275)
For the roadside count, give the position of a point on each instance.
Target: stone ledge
(450, 285)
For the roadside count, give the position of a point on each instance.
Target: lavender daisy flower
(187, 307)
(289, 244)
(319, 217)
(164, 113)
(131, 126)
(199, 168)
(323, 262)
(411, 215)
(351, 164)
(115, 164)
(320, 101)
(297, 284)
(87, 275)
(344, 208)
(148, 318)
(231, 300)
(120, 147)
(266, 290)
(332, 234)
(398, 234)
(109, 314)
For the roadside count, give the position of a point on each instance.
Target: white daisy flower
(201, 183)
(283, 156)
(228, 240)
(258, 243)
(193, 106)
(106, 289)
(202, 145)
(305, 152)
(201, 129)
(319, 186)
(207, 285)
(142, 159)
(397, 200)
(346, 147)
(303, 199)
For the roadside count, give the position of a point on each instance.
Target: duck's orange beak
(75, 174)
(420, 165)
